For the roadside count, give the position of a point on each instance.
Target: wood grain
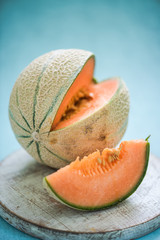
(27, 206)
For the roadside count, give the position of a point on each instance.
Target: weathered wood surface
(27, 206)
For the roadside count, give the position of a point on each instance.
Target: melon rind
(37, 95)
(43, 84)
(58, 198)
(36, 98)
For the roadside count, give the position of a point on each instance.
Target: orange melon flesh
(95, 97)
(83, 79)
(101, 180)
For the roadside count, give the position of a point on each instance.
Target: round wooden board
(27, 206)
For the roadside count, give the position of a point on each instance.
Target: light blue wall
(125, 37)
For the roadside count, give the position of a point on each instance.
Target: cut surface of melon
(83, 97)
(101, 179)
(83, 79)
(86, 101)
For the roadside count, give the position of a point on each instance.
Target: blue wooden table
(125, 37)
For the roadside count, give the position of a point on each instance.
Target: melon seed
(99, 160)
(104, 162)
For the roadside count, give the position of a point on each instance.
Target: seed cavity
(97, 163)
(78, 101)
(114, 156)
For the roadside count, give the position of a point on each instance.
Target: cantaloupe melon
(101, 179)
(58, 111)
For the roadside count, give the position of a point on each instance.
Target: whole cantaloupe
(58, 111)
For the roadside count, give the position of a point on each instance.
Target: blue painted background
(125, 37)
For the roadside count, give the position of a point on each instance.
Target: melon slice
(101, 179)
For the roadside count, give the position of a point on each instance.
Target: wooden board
(27, 206)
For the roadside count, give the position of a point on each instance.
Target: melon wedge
(101, 179)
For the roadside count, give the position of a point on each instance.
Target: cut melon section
(101, 179)
(85, 102)
(82, 80)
